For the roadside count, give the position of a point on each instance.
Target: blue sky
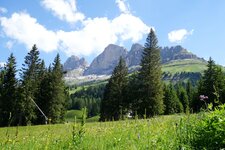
(85, 27)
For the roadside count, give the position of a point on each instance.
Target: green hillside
(186, 65)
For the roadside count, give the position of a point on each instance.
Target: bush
(209, 133)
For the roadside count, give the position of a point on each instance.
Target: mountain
(175, 53)
(134, 56)
(177, 64)
(106, 61)
(74, 62)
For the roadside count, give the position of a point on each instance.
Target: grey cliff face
(106, 61)
(175, 53)
(134, 56)
(74, 62)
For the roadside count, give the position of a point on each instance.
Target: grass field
(70, 115)
(156, 133)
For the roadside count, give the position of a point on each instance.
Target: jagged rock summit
(134, 56)
(74, 62)
(106, 61)
(175, 53)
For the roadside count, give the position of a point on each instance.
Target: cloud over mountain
(95, 34)
(178, 36)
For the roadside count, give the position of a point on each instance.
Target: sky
(85, 27)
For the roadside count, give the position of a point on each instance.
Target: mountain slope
(106, 61)
(175, 60)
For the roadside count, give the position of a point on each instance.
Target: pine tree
(113, 105)
(57, 95)
(171, 100)
(9, 93)
(212, 84)
(43, 93)
(150, 77)
(190, 92)
(134, 93)
(30, 82)
(183, 97)
(2, 73)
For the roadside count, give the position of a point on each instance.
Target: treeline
(143, 93)
(181, 76)
(89, 97)
(38, 96)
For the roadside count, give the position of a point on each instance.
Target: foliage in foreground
(209, 133)
(205, 130)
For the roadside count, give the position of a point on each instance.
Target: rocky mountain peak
(107, 60)
(134, 56)
(74, 62)
(175, 53)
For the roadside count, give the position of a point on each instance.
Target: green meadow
(161, 132)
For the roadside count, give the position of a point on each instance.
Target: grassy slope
(156, 133)
(187, 65)
(70, 116)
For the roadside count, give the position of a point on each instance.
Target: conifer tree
(30, 82)
(212, 83)
(57, 95)
(171, 100)
(150, 77)
(1, 88)
(114, 99)
(183, 97)
(9, 93)
(190, 92)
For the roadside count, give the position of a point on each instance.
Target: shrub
(209, 133)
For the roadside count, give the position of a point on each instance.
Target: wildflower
(203, 97)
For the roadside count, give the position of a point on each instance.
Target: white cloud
(92, 38)
(9, 44)
(179, 35)
(3, 10)
(25, 29)
(99, 32)
(2, 64)
(124, 8)
(64, 9)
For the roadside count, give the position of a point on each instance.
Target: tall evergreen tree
(2, 73)
(43, 93)
(114, 97)
(171, 100)
(9, 93)
(190, 92)
(212, 83)
(183, 97)
(150, 77)
(30, 82)
(57, 95)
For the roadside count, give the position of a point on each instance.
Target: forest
(37, 97)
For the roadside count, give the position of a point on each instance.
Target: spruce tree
(183, 97)
(9, 93)
(57, 93)
(150, 77)
(212, 84)
(113, 105)
(190, 92)
(43, 93)
(1, 88)
(171, 100)
(30, 82)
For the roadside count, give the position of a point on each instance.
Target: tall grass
(162, 132)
